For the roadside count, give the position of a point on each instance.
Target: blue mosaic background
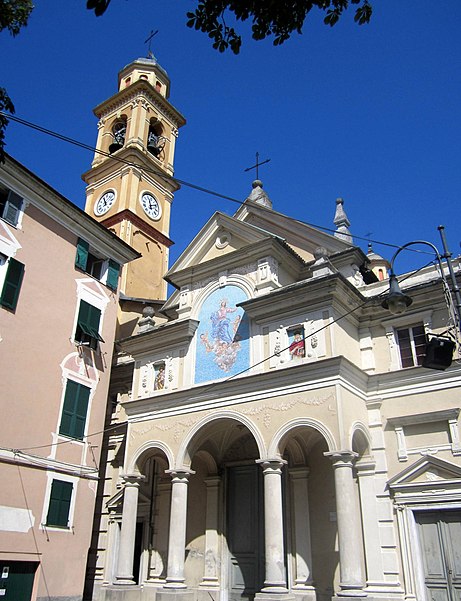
(222, 343)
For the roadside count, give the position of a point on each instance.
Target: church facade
(274, 434)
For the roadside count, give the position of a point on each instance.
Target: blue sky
(371, 113)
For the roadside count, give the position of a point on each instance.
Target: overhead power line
(188, 184)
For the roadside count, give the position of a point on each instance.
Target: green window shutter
(59, 506)
(88, 324)
(73, 418)
(12, 284)
(112, 275)
(81, 257)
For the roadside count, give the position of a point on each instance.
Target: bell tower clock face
(104, 203)
(150, 205)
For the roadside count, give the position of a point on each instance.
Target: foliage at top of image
(269, 17)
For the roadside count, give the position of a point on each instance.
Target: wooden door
(245, 531)
(17, 580)
(440, 537)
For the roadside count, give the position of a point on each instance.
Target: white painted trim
(273, 450)
(147, 446)
(66, 478)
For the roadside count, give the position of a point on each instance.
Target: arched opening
(118, 135)
(152, 516)
(155, 139)
(225, 518)
(309, 513)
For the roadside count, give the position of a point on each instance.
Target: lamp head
(396, 301)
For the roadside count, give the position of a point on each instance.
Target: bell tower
(129, 186)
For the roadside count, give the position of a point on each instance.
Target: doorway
(17, 580)
(440, 538)
(245, 531)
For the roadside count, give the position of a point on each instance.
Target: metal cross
(149, 39)
(258, 164)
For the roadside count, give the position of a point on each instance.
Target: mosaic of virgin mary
(222, 337)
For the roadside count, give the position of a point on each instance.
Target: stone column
(126, 548)
(348, 520)
(211, 575)
(177, 538)
(301, 529)
(275, 581)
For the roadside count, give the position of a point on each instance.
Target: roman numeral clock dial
(104, 203)
(150, 205)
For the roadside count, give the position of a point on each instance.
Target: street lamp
(439, 349)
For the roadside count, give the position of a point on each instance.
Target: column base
(208, 594)
(119, 592)
(174, 594)
(304, 593)
(351, 594)
(274, 594)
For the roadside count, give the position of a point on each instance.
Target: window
(73, 418)
(101, 269)
(12, 284)
(412, 345)
(87, 330)
(10, 206)
(59, 505)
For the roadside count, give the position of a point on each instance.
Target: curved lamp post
(439, 350)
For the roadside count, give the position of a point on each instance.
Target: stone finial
(258, 195)
(342, 222)
(322, 265)
(146, 322)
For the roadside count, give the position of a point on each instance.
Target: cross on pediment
(257, 165)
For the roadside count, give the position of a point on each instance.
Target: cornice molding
(167, 334)
(140, 89)
(146, 228)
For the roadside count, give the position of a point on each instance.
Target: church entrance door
(245, 531)
(440, 539)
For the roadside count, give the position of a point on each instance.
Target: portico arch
(193, 440)
(150, 448)
(279, 440)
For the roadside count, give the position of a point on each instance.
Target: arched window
(155, 139)
(119, 135)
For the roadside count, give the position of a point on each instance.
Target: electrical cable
(33, 533)
(185, 183)
(220, 382)
(213, 193)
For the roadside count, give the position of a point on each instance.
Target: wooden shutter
(113, 272)
(73, 418)
(12, 284)
(88, 324)
(81, 257)
(59, 506)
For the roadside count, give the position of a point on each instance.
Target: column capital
(132, 479)
(272, 466)
(365, 468)
(180, 474)
(299, 473)
(212, 481)
(343, 458)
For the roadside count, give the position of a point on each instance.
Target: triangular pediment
(304, 239)
(220, 236)
(429, 471)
